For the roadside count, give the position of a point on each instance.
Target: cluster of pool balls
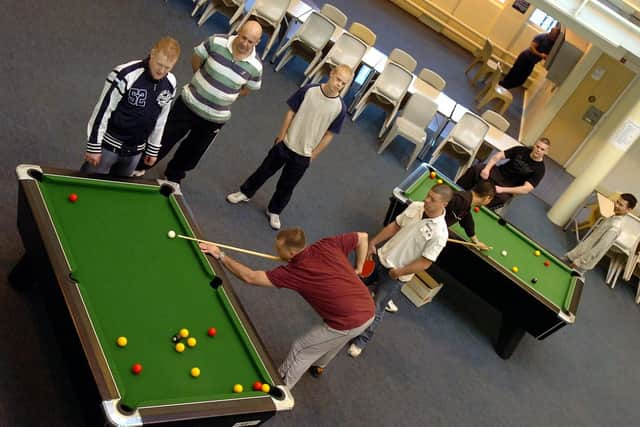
(515, 268)
(433, 175)
(180, 347)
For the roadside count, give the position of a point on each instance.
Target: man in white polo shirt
(415, 239)
(315, 115)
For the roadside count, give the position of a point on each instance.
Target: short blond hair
(168, 46)
(345, 69)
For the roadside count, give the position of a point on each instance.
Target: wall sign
(521, 6)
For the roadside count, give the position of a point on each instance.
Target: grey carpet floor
(432, 366)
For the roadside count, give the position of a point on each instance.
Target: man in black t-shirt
(519, 175)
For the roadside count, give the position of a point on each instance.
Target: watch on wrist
(221, 256)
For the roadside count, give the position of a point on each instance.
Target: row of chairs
(387, 91)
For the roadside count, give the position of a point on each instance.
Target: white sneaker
(391, 307)
(274, 219)
(354, 350)
(237, 197)
(138, 173)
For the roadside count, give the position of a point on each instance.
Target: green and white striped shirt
(216, 85)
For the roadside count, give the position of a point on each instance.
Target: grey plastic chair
(496, 120)
(411, 124)
(335, 14)
(463, 141)
(387, 92)
(308, 41)
(482, 56)
(433, 79)
(347, 50)
(269, 13)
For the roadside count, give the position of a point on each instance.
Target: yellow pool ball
(266, 388)
(237, 388)
(432, 175)
(439, 181)
(180, 347)
(537, 253)
(184, 332)
(121, 341)
(195, 372)
(191, 342)
(514, 269)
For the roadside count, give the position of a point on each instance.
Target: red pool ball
(73, 197)
(547, 263)
(257, 386)
(212, 332)
(476, 209)
(136, 369)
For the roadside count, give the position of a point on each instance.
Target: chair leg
(629, 267)
(208, 13)
(505, 106)
(390, 117)
(473, 64)
(387, 140)
(360, 106)
(485, 100)
(480, 74)
(197, 6)
(270, 42)
(238, 24)
(236, 15)
(414, 155)
(283, 61)
(638, 293)
(313, 62)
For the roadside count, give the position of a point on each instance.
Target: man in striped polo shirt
(224, 67)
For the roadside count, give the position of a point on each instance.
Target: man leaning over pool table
(323, 275)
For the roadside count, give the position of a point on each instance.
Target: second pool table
(539, 307)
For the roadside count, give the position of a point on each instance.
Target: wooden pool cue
(232, 248)
(462, 242)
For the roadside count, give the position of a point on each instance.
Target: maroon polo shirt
(323, 275)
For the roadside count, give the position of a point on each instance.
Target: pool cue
(462, 242)
(232, 248)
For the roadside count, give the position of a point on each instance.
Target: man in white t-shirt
(315, 115)
(413, 242)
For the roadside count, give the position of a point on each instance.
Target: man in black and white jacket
(130, 115)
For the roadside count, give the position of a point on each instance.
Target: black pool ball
(176, 338)
(534, 280)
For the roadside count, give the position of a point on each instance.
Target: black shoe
(316, 371)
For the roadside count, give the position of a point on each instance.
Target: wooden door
(568, 129)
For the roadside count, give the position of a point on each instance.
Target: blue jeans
(385, 288)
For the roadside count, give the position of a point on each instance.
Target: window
(542, 20)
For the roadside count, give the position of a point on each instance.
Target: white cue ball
(504, 253)
(171, 234)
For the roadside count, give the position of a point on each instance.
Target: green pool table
(540, 298)
(109, 257)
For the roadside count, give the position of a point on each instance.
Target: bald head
(246, 40)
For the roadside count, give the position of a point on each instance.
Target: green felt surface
(555, 282)
(138, 283)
